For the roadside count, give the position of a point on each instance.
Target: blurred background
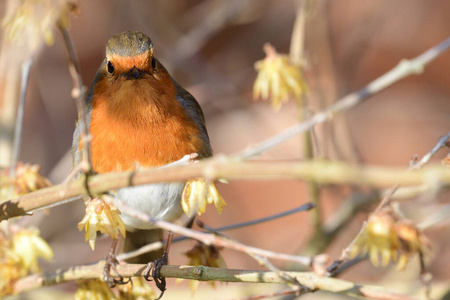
(210, 48)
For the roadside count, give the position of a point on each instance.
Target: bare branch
(387, 198)
(78, 93)
(304, 207)
(324, 172)
(208, 238)
(159, 245)
(426, 158)
(403, 69)
(260, 259)
(203, 273)
(26, 68)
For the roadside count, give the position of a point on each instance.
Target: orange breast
(131, 127)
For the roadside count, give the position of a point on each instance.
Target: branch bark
(202, 273)
(323, 172)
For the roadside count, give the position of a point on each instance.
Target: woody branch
(323, 172)
(202, 273)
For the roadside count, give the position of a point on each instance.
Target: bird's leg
(111, 263)
(156, 268)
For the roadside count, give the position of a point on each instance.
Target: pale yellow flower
(197, 193)
(101, 216)
(278, 79)
(387, 238)
(20, 250)
(99, 290)
(27, 179)
(28, 246)
(139, 289)
(30, 22)
(9, 266)
(94, 289)
(9, 273)
(381, 239)
(410, 242)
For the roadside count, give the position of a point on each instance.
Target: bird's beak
(134, 73)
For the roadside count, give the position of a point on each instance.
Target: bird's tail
(139, 238)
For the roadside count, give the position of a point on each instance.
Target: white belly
(160, 201)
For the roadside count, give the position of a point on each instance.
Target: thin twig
(260, 259)
(208, 238)
(145, 249)
(159, 245)
(345, 252)
(26, 68)
(348, 264)
(79, 94)
(296, 53)
(313, 187)
(206, 26)
(344, 214)
(304, 207)
(440, 215)
(387, 198)
(425, 159)
(17, 138)
(203, 273)
(297, 48)
(403, 69)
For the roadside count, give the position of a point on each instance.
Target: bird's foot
(111, 263)
(155, 267)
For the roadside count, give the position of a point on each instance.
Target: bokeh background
(210, 48)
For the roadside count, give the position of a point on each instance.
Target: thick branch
(324, 172)
(202, 273)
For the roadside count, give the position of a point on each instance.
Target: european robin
(139, 116)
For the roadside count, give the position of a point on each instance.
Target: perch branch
(203, 273)
(324, 172)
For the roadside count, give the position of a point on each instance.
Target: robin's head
(130, 55)
(130, 74)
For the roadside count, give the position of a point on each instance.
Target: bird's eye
(154, 63)
(110, 68)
